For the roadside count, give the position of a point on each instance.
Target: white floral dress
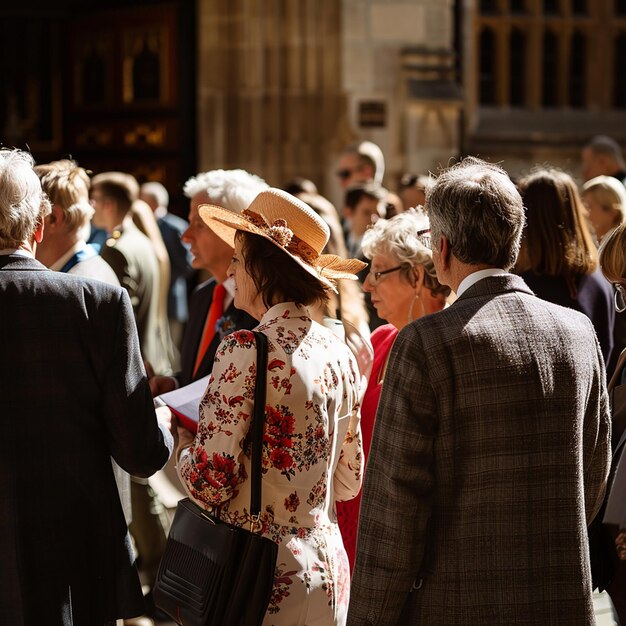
(311, 456)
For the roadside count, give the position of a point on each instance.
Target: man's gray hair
(232, 189)
(476, 206)
(23, 204)
(158, 192)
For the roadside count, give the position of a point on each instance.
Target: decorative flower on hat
(280, 233)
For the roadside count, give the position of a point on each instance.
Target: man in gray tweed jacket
(491, 448)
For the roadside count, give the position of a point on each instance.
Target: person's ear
(418, 277)
(38, 234)
(56, 217)
(445, 252)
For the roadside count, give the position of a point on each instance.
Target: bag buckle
(256, 525)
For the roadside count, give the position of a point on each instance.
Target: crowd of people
(444, 417)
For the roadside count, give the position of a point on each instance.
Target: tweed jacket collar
(495, 285)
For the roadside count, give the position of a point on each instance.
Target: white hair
(158, 192)
(397, 238)
(23, 204)
(232, 189)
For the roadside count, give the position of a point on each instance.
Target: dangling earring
(415, 299)
(422, 312)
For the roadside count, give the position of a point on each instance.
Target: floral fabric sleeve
(349, 471)
(211, 468)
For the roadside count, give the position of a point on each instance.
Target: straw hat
(290, 224)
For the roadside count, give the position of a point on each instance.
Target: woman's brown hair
(276, 276)
(556, 239)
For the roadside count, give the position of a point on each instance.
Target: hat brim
(328, 267)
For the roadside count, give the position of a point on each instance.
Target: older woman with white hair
(403, 285)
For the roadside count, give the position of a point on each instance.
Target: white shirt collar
(474, 277)
(18, 251)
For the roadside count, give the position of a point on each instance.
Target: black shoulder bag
(213, 573)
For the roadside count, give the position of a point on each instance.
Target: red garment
(348, 512)
(216, 310)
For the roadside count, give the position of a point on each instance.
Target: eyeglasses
(374, 277)
(423, 236)
(345, 173)
(620, 297)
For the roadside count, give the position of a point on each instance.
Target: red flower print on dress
(278, 440)
(281, 459)
(275, 364)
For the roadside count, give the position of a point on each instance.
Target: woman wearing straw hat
(312, 438)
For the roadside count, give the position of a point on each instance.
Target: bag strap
(258, 419)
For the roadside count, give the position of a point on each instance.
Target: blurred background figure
(172, 228)
(132, 256)
(144, 219)
(403, 285)
(360, 162)
(364, 162)
(602, 156)
(605, 199)
(558, 259)
(343, 311)
(364, 205)
(412, 190)
(300, 185)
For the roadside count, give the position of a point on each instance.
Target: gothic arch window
(577, 75)
(517, 69)
(487, 67)
(550, 70)
(619, 78)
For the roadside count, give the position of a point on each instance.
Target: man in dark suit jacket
(74, 394)
(491, 448)
(233, 190)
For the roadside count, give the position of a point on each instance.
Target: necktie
(216, 310)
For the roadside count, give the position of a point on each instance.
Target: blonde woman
(605, 199)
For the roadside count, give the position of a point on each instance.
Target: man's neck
(54, 249)
(460, 271)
